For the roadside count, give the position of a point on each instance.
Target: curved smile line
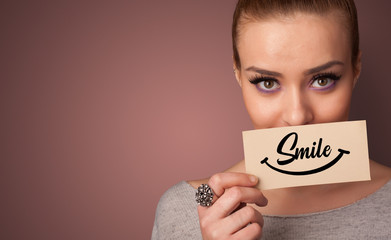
(316, 170)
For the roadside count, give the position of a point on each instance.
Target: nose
(297, 109)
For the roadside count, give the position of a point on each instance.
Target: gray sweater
(369, 218)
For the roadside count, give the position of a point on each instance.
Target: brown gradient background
(104, 105)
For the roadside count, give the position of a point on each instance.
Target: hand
(228, 217)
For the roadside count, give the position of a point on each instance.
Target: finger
(231, 224)
(221, 181)
(212, 228)
(232, 198)
(202, 210)
(241, 205)
(242, 218)
(251, 231)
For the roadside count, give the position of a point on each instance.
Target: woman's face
(296, 70)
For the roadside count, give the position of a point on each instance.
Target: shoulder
(177, 196)
(176, 214)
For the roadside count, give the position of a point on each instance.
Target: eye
(265, 84)
(324, 81)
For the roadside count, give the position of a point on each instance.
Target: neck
(299, 191)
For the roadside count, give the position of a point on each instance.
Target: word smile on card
(313, 153)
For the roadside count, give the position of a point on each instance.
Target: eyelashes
(324, 81)
(320, 82)
(265, 84)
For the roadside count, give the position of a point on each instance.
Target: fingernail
(253, 178)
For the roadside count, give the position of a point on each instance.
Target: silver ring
(204, 195)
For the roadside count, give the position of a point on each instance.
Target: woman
(297, 62)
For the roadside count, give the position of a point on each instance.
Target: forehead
(303, 40)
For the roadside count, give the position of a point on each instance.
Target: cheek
(263, 111)
(334, 107)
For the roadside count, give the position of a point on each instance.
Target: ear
(237, 73)
(237, 76)
(357, 68)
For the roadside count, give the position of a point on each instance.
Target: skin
(293, 49)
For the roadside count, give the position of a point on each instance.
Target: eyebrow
(308, 72)
(323, 67)
(263, 71)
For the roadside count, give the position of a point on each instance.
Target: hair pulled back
(256, 10)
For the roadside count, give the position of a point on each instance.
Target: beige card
(307, 155)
